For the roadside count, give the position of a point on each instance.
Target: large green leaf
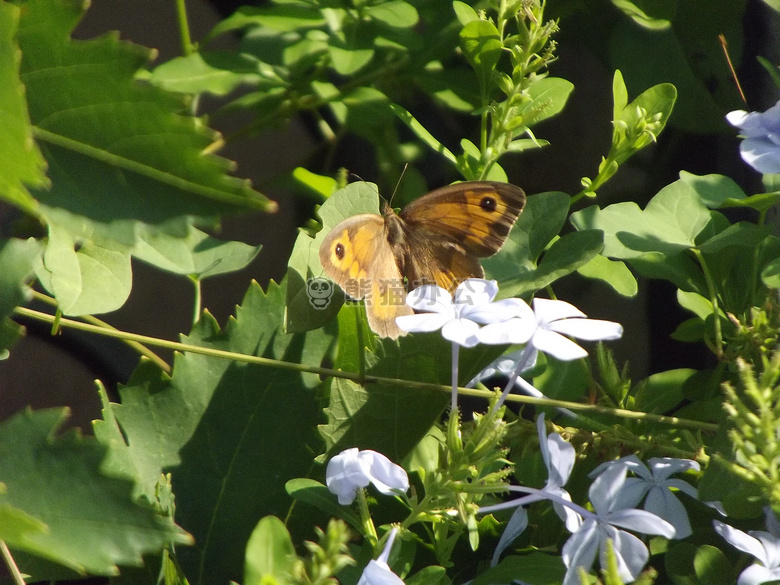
(16, 266)
(22, 163)
(119, 151)
(256, 423)
(92, 522)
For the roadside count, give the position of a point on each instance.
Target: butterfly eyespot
(488, 204)
(339, 250)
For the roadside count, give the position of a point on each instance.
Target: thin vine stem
(360, 378)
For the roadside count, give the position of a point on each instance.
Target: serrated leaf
(198, 254)
(125, 154)
(22, 163)
(93, 523)
(256, 423)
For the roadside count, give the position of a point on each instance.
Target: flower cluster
(761, 145)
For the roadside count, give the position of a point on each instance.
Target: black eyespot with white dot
(339, 250)
(488, 204)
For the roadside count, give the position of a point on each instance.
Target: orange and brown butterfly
(436, 239)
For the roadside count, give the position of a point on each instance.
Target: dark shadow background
(44, 371)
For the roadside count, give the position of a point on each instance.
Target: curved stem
(356, 377)
(713, 300)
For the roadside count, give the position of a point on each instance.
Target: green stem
(713, 300)
(196, 303)
(365, 517)
(184, 28)
(357, 377)
(11, 564)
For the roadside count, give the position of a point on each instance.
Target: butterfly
(436, 239)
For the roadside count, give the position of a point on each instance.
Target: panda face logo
(319, 290)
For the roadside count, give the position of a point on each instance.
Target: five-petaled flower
(352, 470)
(546, 326)
(761, 145)
(654, 482)
(762, 545)
(458, 319)
(597, 528)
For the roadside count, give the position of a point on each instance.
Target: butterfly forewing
(477, 215)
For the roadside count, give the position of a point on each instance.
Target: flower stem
(454, 398)
(365, 517)
(713, 301)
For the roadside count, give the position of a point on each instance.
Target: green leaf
(16, 268)
(256, 422)
(535, 568)
(23, 165)
(482, 46)
(423, 134)
(669, 224)
(279, 18)
(92, 522)
(541, 221)
(464, 12)
(548, 98)
(125, 154)
(94, 279)
(322, 185)
(686, 55)
(613, 272)
(347, 59)
(689, 564)
(214, 72)
(431, 575)
(619, 95)
(395, 13)
(314, 493)
(650, 14)
(270, 554)
(714, 191)
(739, 235)
(197, 254)
(661, 392)
(565, 256)
(304, 263)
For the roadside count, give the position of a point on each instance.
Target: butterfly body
(437, 239)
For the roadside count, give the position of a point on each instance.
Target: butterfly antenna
(398, 183)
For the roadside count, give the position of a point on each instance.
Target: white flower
(545, 330)
(459, 319)
(654, 482)
(591, 538)
(761, 145)
(352, 470)
(377, 572)
(762, 545)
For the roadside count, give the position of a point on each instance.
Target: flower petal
(461, 331)
(508, 332)
(514, 528)
(377, 573)
(641, 521)
(547, 310)
(384, 474)
(588, 329)
(421, 322)
(630, 552)
(663, 503)
(740, 540)
(756, 574)
(476, 291)
(345, 474)
(499, 311)
(557, 345)
(430, 298)
(580, 551)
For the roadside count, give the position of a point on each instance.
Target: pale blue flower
(597, 528)
(655, 483)
(377, 572)
(458, 319)
(765, 547)
(558, 456)
(761, 131)
(549, 323)
(352, 470)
